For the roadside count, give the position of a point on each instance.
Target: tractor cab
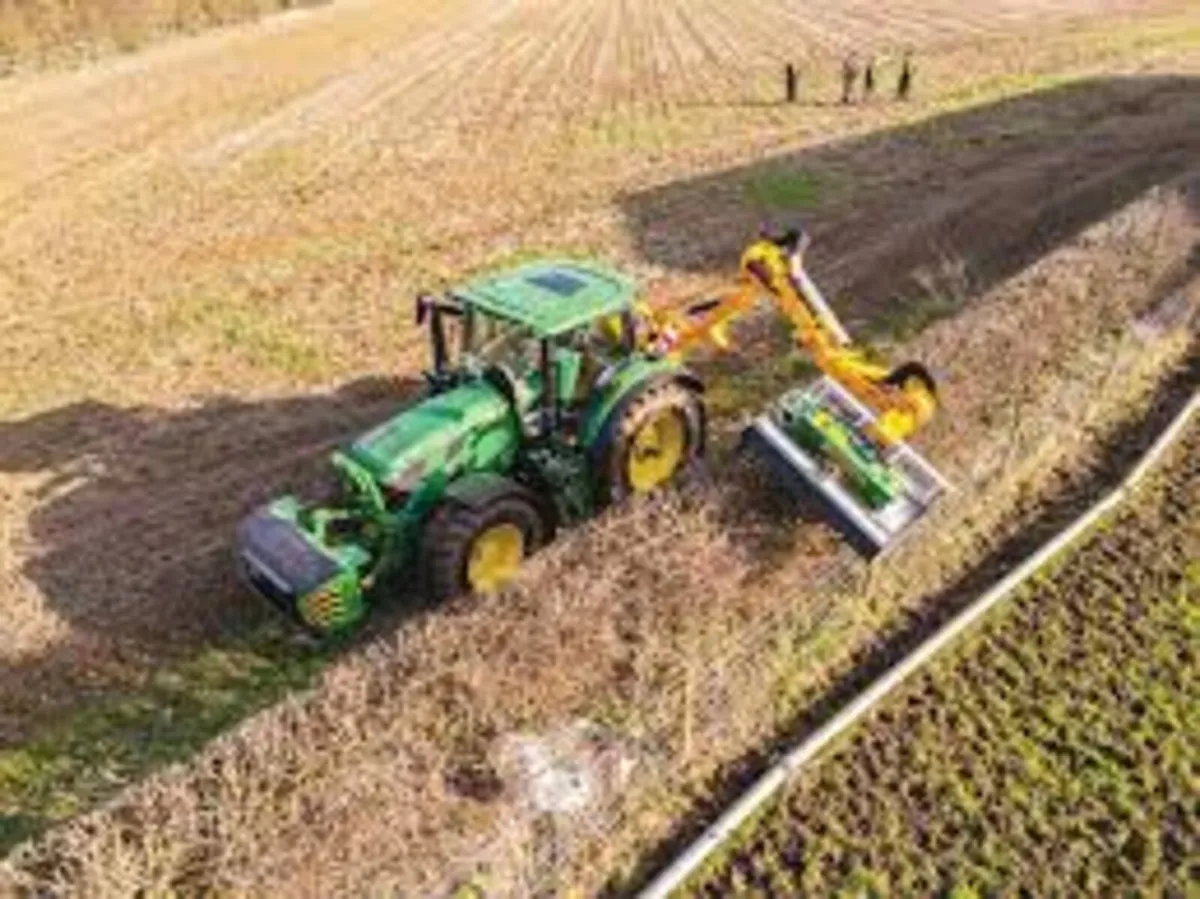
(544, 333)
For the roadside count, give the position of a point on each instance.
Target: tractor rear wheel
(652, 440)
(479, 549)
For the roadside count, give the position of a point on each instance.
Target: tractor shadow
(911, 222)
(131, 529)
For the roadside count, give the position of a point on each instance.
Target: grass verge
(82, 757)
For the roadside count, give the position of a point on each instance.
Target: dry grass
(217, 199)
(44, 31)
(677, 626)
(200, 241)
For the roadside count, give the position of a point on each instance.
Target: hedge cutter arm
(903, 399)
(841, 441)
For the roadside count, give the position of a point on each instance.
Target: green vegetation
(903, 317)
(787, 190)
(1055, 750)
(85, 756)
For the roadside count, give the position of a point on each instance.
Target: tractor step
(813, 439)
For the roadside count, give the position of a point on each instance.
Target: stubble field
(209, 254)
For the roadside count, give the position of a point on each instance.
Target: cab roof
(550, 297)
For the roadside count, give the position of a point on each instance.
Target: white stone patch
(565, 771)
(1173, 312)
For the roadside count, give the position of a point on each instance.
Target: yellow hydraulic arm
(904, 399)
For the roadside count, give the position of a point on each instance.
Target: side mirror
(425, 302)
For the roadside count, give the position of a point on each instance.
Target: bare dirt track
(207, 245)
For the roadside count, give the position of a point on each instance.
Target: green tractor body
(539, 410)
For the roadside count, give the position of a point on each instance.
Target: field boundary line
(794, 760)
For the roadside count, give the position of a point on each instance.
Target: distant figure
(792, 83)
(904, 85)
(849, 76)
(869, 78)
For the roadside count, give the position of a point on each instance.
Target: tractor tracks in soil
(206, 151)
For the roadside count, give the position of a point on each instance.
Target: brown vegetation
(44, 30)
(202, 241)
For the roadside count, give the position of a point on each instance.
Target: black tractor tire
(912, 371)
(617, 441)
(453, 528)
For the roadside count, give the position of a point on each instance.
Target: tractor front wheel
(479, 549)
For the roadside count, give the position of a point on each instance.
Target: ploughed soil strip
(1055, 749)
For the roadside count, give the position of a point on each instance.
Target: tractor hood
(467, 427)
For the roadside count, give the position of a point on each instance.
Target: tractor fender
(481, 488)
(478, 489)
(602, 430)
(621, 384)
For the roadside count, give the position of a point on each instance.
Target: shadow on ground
(928, 214)
(132, 534)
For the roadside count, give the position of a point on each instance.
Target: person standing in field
(849, 76)
(869, 79)
(904, 85)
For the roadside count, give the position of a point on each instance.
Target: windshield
(494, 341)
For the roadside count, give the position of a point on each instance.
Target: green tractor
(540, 409)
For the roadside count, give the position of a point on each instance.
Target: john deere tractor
(553, 392)
(541, 408)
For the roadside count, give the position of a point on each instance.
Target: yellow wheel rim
(495, 556)
(657, 450)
